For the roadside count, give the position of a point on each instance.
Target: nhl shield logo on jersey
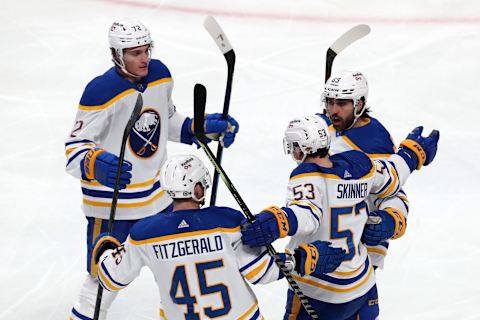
(145, 134)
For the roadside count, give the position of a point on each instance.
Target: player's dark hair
(321, 153)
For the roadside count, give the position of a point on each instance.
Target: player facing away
(337, 187)
(196, 255)
(353, 128)
(93, 144)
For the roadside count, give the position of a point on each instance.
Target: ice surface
(422, 64)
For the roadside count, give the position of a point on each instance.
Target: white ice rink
(422, 64)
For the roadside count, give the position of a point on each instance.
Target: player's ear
(199, 191)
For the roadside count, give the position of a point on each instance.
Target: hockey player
(93, 144)
(353, 128)
(337, 187)
(196, 255)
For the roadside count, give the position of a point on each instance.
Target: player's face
(136, 60)
(341, 112)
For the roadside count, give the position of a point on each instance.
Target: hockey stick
(341, 43)
(224, 45)
(133, 117)
(200, 96)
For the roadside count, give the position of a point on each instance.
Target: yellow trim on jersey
(253, 307)
(68, 151)
(162, 314)
(370, 155)
(329, 288)
(108, 103)
(120, 96)
(329, 175)
(129, 186)
(295, 309)
(160, 81)
(304, 202)
(348, 273)
(184, 234)
(403, 197)
(377, 251)
(393, 184)
(97, 225)
(315, 174)
(125, 205)
(255, 271)
(107, 282)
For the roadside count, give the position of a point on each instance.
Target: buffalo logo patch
(145, 134)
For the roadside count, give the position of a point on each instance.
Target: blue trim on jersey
(384, 244)
(103, 284)
(355, 162)
(268, 268)
(105, 271)
(311, 211)
(253, 261)
(107, 86)
(370, 138)
(78, 141)
(79, 315)
(76, 155)
(198, 220)
(121, 195)
(256, 315)
(344, 282)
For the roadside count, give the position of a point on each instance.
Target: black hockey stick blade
(221, 40)
(131, 121)
(346, 39)
(199, 101)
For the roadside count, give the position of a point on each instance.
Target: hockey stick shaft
(133, 117)
(346, 39)
(200, 94)
(224, 45)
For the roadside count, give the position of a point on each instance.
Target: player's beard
(340, 123)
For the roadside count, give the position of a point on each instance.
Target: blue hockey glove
(317, 258)
(216, 128)
(383, 225)
(269, 225)
(417, 150)
(102, 166)
(105, 241)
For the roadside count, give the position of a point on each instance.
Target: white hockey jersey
(198, 261)
(329, 204)
(105, 107)
(375, 141)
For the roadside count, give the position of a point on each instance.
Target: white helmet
(127, 33)
(350, 85)
(309, 133)
(180, 174)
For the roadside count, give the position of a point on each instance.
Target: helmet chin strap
(124, 70)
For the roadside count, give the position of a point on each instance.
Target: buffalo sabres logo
(145, 134)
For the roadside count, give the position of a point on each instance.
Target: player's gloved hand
(417, 150)
(317, 258)
(102, 166)
(216, 128)
(102, 243)
(382, 225)
(270, 224)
